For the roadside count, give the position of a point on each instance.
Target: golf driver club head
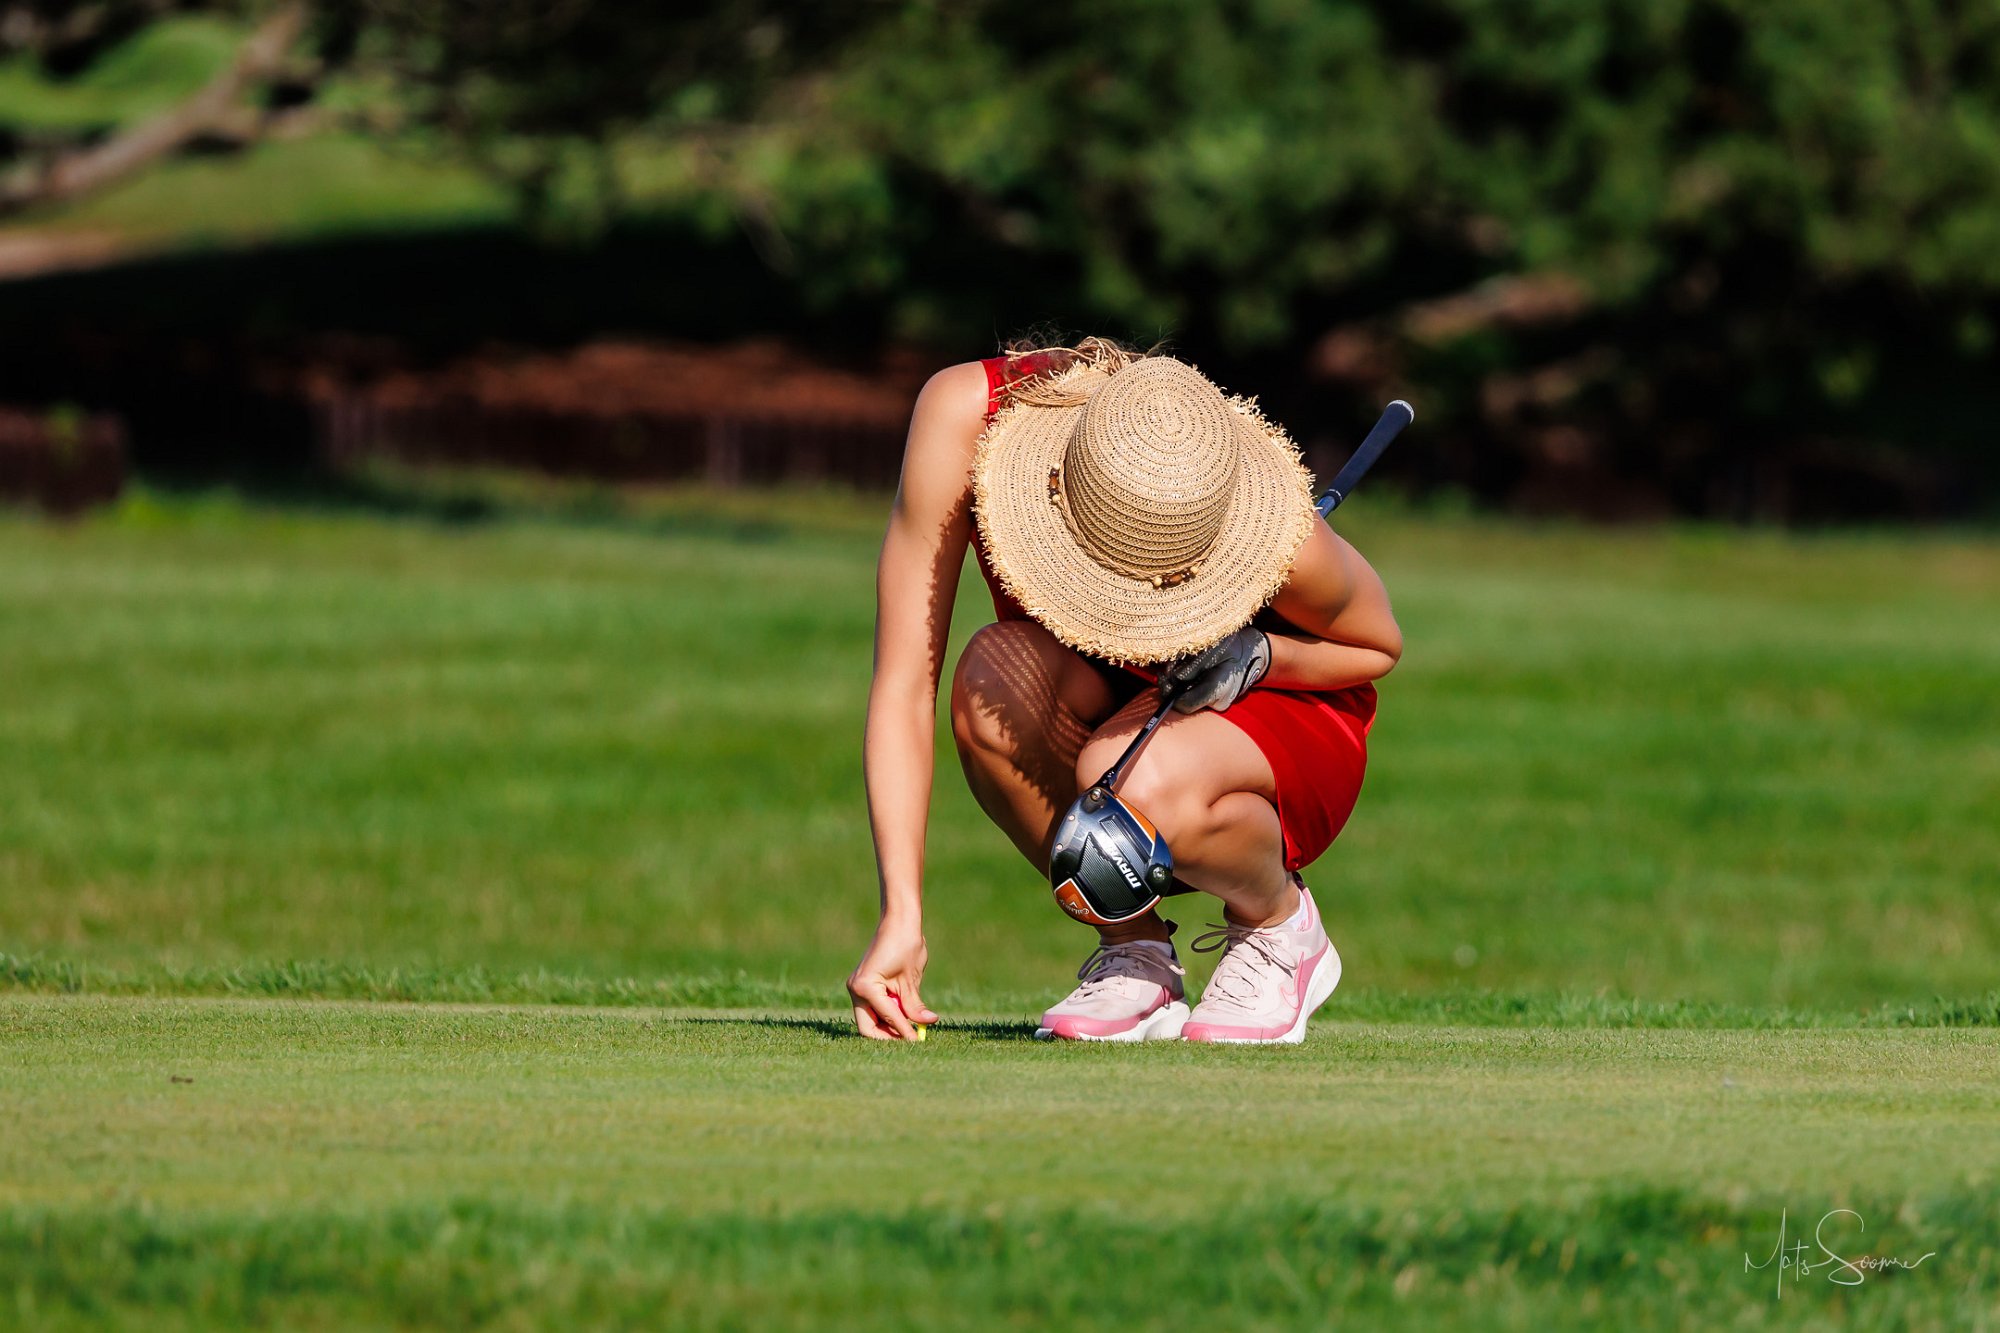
(1109, 863)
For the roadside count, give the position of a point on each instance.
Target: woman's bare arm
(915, 583)
(1347, 633)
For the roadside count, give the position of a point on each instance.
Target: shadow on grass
(840, 1029)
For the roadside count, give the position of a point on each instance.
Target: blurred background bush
(1633, 258)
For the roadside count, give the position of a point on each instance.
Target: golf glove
(1217, 677)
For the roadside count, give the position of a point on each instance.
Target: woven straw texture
(1137, 512)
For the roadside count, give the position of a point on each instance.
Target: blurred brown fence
(628, 412)
(721, 449)
(60, 460)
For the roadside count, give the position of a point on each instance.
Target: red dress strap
(1003, 372)
(997, 380)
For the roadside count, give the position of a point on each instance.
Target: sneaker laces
(1145, 960)
(1237, 944)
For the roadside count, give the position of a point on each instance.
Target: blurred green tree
(1671, 239)
(1604, 229)
(545, 96)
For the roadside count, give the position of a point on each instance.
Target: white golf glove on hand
(1217, 677)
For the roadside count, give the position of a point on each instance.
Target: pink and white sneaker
(1269, 981)
(1130, 992)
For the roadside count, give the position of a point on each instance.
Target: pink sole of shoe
(1164, 1024)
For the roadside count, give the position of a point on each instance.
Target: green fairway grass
(185, 1162)
(601, 751)
(1668, 911)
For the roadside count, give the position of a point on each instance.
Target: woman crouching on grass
(1125, 514)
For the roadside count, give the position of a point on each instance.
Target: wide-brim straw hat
(1137, 511)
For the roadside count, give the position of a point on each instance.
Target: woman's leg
(1022, 707)
(1209, 789)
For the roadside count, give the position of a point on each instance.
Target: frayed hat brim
(1114, 616)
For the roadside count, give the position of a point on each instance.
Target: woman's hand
(1221, 675)
(884, 984)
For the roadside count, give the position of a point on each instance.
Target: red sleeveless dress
(1315, 742)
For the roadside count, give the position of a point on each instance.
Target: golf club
(1109, 863)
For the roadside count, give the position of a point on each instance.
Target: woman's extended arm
(1348, 633)
(915, 582)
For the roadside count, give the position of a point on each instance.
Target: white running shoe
(1130, 992)
(1268, 983)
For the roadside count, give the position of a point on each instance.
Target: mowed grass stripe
(232, 1105)
(202, 1163)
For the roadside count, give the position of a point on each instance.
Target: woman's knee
(1184, 810)
(1167, 783)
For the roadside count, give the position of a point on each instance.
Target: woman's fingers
(883, 1008)
(870, 1026)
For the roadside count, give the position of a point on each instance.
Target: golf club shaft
(1111, 775)
(1388, 426)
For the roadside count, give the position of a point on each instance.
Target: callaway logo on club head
(1110, 849)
